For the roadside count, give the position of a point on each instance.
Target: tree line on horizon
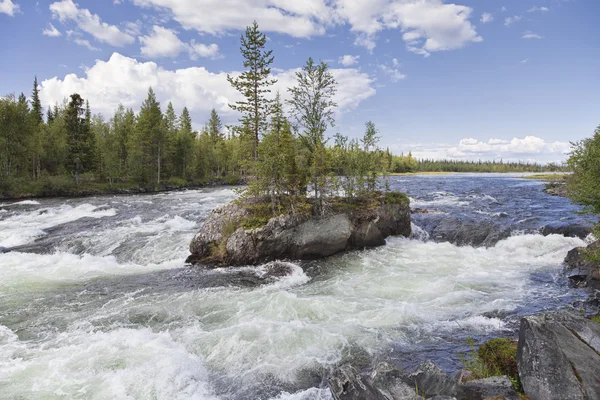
(279, 152)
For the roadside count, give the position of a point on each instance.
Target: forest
(281, 146)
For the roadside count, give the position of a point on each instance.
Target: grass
(495, 357)
(548, 177)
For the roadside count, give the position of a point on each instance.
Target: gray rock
(385, 382)
(321, 237)
(584, 273)
(221, 242)
(496, 386)
(431, 381)
(559, 357)
(568, 230)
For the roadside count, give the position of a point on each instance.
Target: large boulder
(559, 357)
(224, 240)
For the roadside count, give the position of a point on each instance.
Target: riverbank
(64, 186)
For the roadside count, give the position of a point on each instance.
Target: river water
(96, 303)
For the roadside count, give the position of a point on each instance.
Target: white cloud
(528, 148)
(163, 42)
(525, 61)
(436, 26)
(540, 9)
(85, 43)
(531, 35)
(348, 60)
(511, 20)
(367, 41)
(202, 50)
(503, 9)
(395, 62)
(66, 10)
(8, 7)
(51, 31)
(486, 17)
(125, 80)
(393, 73)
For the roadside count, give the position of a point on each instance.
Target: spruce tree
(147, 145)
(215, 127)
(254, 84)
(78, 136)
(36, 105)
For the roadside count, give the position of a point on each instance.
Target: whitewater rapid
(110, 312)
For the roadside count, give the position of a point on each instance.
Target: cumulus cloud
(68, 11)
(531, 35)
(508, 21)
(348, 60)
(528, 148)
(125, 80)
(540, 9)
(486, 17)
(393, 73)
(163, 42)
(8, 7)
(51, 31)
(435, 25)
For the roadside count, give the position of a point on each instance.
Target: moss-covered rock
(246, 232)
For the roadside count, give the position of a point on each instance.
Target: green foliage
(495, 357)
(312, 108)
(396, 198)
(253, 84)
(582, 185)
(596, 318)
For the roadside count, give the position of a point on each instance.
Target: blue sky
(469, 79)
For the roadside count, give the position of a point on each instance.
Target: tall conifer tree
(254, 84)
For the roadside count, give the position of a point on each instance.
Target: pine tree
(36, 105)
(171, 132)
(254, 84)
(215, 127)
(185, 154)
(147, 145)
(313, 108)
(78, 136)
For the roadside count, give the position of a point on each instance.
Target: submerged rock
(568, 230)
(559, 357)
(224, 240)
(463, 232)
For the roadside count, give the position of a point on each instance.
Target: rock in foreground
(226, 239)
(559, 357)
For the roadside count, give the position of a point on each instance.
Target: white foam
(310, 394)
(118, 364)
(26, 271)
(23, 227)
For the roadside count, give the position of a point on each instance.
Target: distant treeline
(407, 163)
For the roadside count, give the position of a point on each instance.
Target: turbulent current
(96, 302)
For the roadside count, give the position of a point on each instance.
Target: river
(96, 302)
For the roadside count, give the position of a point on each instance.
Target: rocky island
(236, 235)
